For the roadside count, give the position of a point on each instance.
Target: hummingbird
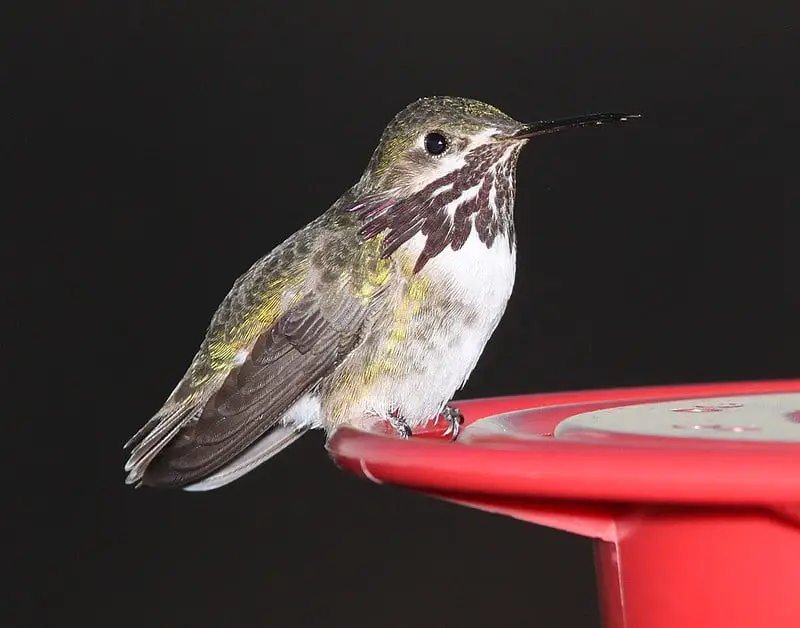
(376, 311)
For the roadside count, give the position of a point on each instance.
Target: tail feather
(277, 439)
(156, 434)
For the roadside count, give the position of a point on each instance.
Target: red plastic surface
(690, 532)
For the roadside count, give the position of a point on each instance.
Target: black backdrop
(156, 149)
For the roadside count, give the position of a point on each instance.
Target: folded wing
(287, 362)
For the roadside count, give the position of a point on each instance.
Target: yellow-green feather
(354, 381)
(363, 276)
(280, 295)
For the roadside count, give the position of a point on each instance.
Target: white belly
(480, 279)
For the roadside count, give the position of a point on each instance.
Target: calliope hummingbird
(376, 311)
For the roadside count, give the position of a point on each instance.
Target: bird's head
(448, 164)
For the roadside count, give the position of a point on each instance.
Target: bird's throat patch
(477, 196)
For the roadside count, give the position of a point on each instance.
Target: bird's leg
(399, 424)
(455, 420)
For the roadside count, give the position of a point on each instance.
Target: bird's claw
(401, 427)
(455, 419)
(453, 416)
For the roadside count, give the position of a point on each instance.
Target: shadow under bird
(378, 310)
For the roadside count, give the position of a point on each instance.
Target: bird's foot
(399, 424)
(455, 419)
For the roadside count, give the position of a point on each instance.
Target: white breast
(481, 280)
(476, 274)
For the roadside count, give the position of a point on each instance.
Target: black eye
(435, 143)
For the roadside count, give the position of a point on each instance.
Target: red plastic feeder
(691, 493)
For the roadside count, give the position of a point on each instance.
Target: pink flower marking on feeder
(794, 416)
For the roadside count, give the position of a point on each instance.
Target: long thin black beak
(552, 126)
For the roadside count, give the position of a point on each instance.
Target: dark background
(153, 151)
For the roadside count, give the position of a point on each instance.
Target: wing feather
(287, 361)
(297, 320)
(262, 450)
